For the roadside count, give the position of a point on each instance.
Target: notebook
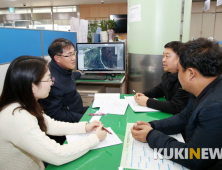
(138, 155)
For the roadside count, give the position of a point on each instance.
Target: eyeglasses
(69, 55)
(50, 80)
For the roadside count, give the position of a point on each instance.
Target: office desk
(109, 158)
(114, 86)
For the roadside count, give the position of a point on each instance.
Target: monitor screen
(121, 23)
(101, 57)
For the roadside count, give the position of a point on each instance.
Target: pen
(106, 130)
(96, 114)
(134, 91)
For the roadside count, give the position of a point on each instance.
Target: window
(42, 10)
(43, 24)
(39, 17)
(9, 24)
(64, 9)
(22, 10)
(22, 23)
(4, 11)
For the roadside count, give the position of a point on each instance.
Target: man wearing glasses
(64, 103)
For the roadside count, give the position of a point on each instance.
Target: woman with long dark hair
(23, 125)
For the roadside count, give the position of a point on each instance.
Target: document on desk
(95, 118)
(109, 141)
(99, 98)
(114, 106)
(138, 155)
(136, 107)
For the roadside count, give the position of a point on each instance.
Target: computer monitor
(121, 23)
(101, 57)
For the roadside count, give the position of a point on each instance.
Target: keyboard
(92, 77)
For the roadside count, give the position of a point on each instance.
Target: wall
(206, 23)
(160, 23)
(103, 11)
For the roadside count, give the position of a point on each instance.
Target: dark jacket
(170, 87)
(201, 119)
(64, 103)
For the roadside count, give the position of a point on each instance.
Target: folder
(95, 37)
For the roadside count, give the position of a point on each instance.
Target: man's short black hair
(174, 45)
(58, 45)
(202, 54)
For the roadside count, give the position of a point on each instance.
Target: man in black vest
(169, 87)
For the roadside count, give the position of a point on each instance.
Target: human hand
(142, 123)
(141, 100)
(137, 95)
(92, 126)
(79, 71)
(101, 134)
(139, 132)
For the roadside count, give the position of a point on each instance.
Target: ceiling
(31, 3)
(28, 3)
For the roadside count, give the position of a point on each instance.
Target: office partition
(16, 42)
(50, 36)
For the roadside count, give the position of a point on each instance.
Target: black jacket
(170, 87)
(64, 103)
(201, 119)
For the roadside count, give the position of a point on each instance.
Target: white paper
(99, 98)
(83, 31)
(98, 103)
(74, 24)
(138, 155)
(106, 95)
(135, 13)
(219, 2)
(109, 141)
(179, 137)
(206, 5)
(136, 107)
(95, 118)
(114, 106)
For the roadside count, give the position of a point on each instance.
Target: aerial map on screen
(100, 57)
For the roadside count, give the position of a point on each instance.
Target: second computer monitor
(101, 57)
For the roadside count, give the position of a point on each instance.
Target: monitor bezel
(104, 71)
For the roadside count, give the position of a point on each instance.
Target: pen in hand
(106, 130)
(134, 91)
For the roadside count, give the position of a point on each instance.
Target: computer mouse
(110, 79)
